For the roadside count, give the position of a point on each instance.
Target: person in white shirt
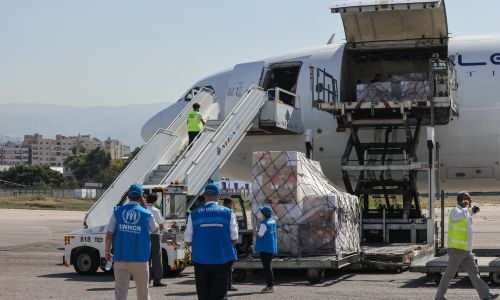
(155, 262)
(228, 202)
(460, 235)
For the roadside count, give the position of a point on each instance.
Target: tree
(108, 175)
(34, 176)
(88, 166)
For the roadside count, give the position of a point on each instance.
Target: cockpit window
(191, 93)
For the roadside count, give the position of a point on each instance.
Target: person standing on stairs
(195, 123)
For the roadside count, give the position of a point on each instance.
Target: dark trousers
(230, 276)
(192, 135)
(211, 281)
(155, 265)
(266, 259)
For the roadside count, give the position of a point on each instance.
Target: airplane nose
(162, 119)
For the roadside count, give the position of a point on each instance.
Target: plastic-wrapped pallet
(313, 215)
(415, 90)
(374, 91)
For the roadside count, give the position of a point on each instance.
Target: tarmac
(31, 243)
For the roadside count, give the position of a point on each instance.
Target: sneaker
(232, 289)
(491, 296)
(159, 284)
(268, 289)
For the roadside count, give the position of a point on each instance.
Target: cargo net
(313, 216)
(412, 86)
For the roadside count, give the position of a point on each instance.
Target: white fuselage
(469, 151)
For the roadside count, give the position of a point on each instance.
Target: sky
(121, 52)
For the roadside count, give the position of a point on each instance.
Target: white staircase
(161, 149)
(216, 143)
(166, 158)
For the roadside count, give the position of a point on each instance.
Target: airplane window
(194, 91)
(191, 93)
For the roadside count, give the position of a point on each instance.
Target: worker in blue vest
(460, 236)
(212, 231)
(266, 243)
(128, 231)
(195, 123)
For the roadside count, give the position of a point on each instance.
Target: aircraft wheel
(495, 277)
(435, 276)
(315, 275)
(86, 262)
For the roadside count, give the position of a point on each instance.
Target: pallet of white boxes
(313, 216)
(412, 86)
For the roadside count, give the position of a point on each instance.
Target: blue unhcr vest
(212, 242)
(269, 242)
(132, 242)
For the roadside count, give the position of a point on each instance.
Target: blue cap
(212, 189)
(135, 190)
(266, 210)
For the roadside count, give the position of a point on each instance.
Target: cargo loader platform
(315, 266)
(393, 257)
(368, 112)
(434, 266)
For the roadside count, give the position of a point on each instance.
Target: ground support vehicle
(315, 266)
(243, 217)
(434, 266)
(84, 249)
(392, 257)
(167, 166)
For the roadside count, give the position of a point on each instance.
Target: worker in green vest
(195, 123)
(459, 249)
(438, 64)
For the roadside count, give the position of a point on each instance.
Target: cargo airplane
(326, 85)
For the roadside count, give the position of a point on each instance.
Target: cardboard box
(313, 216)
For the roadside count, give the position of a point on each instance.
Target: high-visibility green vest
(458, 233)
(194, 122)
(439, 65)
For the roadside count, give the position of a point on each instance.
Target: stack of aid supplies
(314, 217)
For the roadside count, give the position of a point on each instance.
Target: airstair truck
(190, 167)
(84, 249)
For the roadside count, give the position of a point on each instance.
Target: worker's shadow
(98, 277)
(459, 282)
(181, 294)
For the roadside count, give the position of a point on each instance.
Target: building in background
(12, 154)
(115, 148)
(52, 152)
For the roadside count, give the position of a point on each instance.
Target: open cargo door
(392, 20)
(242, 78)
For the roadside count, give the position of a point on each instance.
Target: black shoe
(159, 284)
(491, 296)
(232, 289)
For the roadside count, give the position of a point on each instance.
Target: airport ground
(31, 268)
